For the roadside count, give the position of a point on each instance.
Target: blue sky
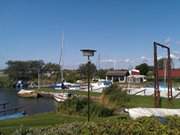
(122, 31)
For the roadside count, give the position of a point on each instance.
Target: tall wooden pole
(89, 88)
(156, 75)
(169, 76)
(156, 83)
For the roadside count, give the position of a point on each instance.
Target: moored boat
(27, 93)
(61, 97)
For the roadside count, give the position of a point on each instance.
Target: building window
(121, 78)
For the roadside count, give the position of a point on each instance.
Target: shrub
(80, 106)
(115, 95)
(5, 82)
(142, 126)
(97, 110)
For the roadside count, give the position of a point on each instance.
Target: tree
(71, 75)
(101, 73)
(144, 68)
(163, 61)
(51, 72)
(51, 67)
(23, 70)
(83, 69)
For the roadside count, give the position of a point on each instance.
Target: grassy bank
(39, 120)
(55, 118)
(134, 101)
(108, 126)
(148, 101)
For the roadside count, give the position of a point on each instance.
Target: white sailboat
(58, 86)
(61, 97)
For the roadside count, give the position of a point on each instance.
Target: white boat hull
(60, 97)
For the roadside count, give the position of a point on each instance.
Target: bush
(115, 95)
(97, 110)
(143, 126)
(5, 82)
(80, 106)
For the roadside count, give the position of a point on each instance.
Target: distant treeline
(49, 72)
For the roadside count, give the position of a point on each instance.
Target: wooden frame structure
(156, 75)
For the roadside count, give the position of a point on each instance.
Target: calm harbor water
(29, 105)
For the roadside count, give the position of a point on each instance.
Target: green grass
(46, 120)
(148, 101)
(39, 120)
(53, 118)
(135, 101)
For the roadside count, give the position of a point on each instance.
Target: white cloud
(108, 60)
(167, 41)
(143, 57)
(175, 56)
(127, 60)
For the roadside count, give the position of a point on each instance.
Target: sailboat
(58, 86)
(61, 97)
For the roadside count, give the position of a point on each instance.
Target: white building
(136, 78)
(117, 75)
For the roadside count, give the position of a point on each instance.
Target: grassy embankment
(134, 101)
(39, 120)
(50, 119)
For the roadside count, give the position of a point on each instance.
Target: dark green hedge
(143, 126)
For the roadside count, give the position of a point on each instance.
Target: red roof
(175, 73)
(135, 72)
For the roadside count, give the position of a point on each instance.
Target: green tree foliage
(144, 68)
(71, 75)
(52, 71)
(5, 82)
(23, 70)
(151, 68)
(51, 67)
(162, 63)
(83, 69)
(101, 73)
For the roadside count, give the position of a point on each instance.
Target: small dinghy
(61, 97)
(27, 93)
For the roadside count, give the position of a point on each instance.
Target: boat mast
(61, 57)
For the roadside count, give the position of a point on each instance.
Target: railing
(176, 95)
(144, 90)
(4, 105)
(4, 110)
